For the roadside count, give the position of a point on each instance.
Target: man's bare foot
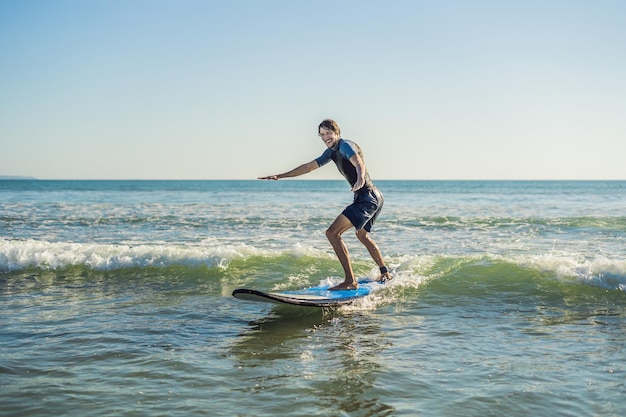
(384, 274)
(385, 277)
(345, 286)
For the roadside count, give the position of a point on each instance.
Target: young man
(362, 213)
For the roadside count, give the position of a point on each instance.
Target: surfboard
(319, 296)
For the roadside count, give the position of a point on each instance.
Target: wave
(26, 254)
(598, 223)
(104, 214)
(301, 265)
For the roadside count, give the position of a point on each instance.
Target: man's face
(329, 137)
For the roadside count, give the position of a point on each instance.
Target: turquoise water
(509, 298)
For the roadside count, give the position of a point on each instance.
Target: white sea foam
(17, 255)
(410, 270)
(599, 272)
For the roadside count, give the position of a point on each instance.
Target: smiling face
(329, 137)
(330, 133)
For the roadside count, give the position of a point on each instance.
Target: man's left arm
(358, 163)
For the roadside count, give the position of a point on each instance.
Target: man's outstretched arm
(301, 170)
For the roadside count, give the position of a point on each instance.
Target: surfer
(362, 213)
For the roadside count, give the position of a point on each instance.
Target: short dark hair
(330, 125)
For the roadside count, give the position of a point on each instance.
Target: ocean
(508, 299)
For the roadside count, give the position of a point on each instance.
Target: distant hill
(15, 177)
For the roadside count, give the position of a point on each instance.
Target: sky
(430, 90)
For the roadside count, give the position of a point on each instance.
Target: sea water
(508, 299)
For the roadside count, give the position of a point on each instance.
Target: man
(362, 213)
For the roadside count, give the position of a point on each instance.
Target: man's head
(330, 132)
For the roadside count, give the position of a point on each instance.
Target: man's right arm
(301, 170)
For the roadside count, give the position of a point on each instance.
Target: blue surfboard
(310, 297)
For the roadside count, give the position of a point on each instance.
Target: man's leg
(334, 232)
(372, 248)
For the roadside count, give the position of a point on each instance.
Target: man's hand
(360, 182)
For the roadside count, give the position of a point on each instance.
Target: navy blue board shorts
(367, 204)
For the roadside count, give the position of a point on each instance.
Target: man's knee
(339, 226)
(362, 235)
(333, 233)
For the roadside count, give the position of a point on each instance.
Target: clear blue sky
(145, 89)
